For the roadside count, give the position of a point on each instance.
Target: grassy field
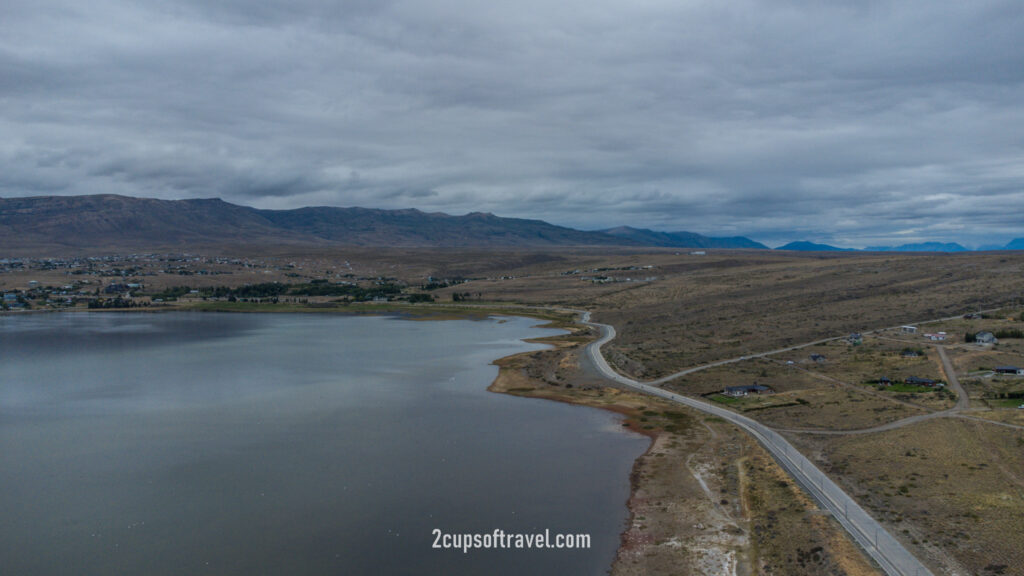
(952, 489)
(802, 398)
(723, 307)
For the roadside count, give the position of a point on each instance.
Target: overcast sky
(855, 123)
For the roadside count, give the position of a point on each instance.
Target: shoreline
(662, 423)
(629, 407)
(679, 514)
(702, 493)
(501, 386)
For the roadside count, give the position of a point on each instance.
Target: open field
(802, 399)
(953, 488)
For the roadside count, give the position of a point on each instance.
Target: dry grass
(743, 306)
(706, 498)
(801, 400)
(951, 489)
(788, 536)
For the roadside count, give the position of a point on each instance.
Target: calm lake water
(289, 444)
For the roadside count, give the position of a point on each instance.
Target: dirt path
(963, 401)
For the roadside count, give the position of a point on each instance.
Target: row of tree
(273, 290)
(118, 302)
(999, 334)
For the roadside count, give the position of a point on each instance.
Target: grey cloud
(858, 122)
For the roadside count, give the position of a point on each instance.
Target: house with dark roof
(739, 391)
(985, 338)
(1009, 370)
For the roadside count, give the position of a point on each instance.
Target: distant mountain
(920, 247)
(804, 246)
(373, 227)
(1015, 244)
(109, 222)
(647, 237)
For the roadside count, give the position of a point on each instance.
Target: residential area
(878, 376)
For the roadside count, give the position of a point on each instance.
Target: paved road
(894, 559)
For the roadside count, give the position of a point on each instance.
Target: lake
(203, 443)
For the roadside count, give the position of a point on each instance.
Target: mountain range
(122, 223)
(110, 222)
(921, 247)
(805, 246)
(682, 239)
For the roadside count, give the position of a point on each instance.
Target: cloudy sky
(855, 123)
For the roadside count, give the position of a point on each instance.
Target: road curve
(894, 559)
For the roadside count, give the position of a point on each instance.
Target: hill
(682, 239)
(920, 247)
(804, 246)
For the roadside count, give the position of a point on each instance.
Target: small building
(936, 337)
(115, 289)
(985, 338)
(908, 353)
(1009, 370)
(740, 391)
(884, 381)
(908, 329)
(915, 381)
(855, 339)
(819, 358)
